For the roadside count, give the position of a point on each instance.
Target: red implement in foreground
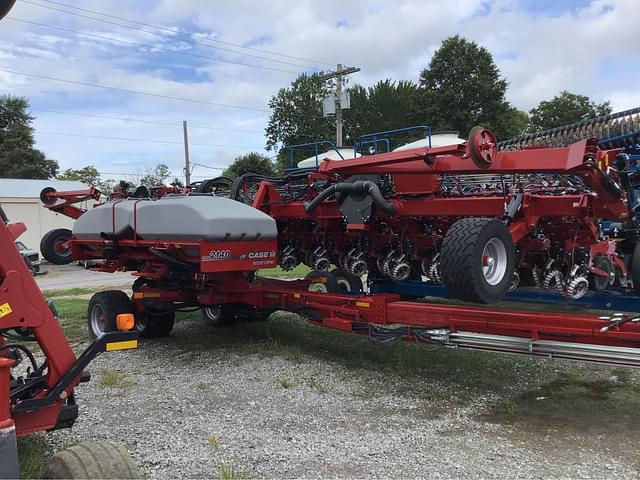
(36, 396)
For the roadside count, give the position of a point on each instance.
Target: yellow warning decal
(5, 309)
(122, 345)
(363, 304)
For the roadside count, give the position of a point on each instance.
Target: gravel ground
(73, 275)
(205, 412)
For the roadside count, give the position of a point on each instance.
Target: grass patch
(115, 379)
(230, 472)
(70, 292)
(286, 382)
(33, 453)
(299, 272)
(73, 318)
(214, 442)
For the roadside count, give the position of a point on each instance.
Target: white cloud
(591, 50)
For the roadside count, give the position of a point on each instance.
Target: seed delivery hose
(359, 187)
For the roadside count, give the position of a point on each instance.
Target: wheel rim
(343, 284)
(494, 261)
(213, 313)
(318, 288)
(98, 320)
(59, 247)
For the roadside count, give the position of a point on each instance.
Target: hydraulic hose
(358, 187)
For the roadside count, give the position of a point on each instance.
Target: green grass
(299, 272)
(33, 453)
(286, 382)
(73, 318)
(70, 292)
(230, 472)
(115, 379)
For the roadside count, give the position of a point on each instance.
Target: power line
(182, 37)
(139, 120)
(128, 139)
(152, 47)
(137, 92)
(159, 27)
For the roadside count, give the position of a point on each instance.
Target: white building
(20, 200)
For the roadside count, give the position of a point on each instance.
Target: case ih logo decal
(226, 255)
(271, 254)
(219, 254)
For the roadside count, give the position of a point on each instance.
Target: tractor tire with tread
(51, 248)
(462, 260)
(92, 460)
(103, 309)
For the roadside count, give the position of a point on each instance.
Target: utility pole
(187, 168)
(339, 75)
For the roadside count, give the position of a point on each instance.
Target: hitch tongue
(617, 320)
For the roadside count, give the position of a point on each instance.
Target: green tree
(387, 105)
(513, 123)
(296, 113)
(250, 163)
(18, 157)
(565, 108)
(176, 182)
(88, 175)
(461, 88)
(157, 177)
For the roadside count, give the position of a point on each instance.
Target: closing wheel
(92, 460)
(53, 246)
(219, 315)
(103, 309)
(212, 315)
(483, 147)
(477, 260)
(322, 282)
(347, 282)
(600, 283)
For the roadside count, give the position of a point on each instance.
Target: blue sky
(240, 53)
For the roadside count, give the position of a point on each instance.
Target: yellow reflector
(296, 295)
(125, 322)
(363, 304)
(122, 345)
(5, 309)
(138, 295)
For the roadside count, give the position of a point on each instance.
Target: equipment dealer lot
(284, 399)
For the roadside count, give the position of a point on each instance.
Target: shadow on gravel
(465, 374)
(592, 400)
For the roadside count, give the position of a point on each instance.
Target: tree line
(461, 87)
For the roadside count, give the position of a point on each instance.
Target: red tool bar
(442, 160)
